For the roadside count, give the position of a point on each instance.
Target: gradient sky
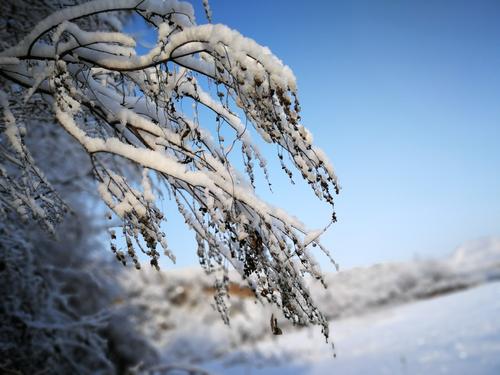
(404, 97)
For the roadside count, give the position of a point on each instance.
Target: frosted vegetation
(81, 111)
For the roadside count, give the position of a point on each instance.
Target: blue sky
(404, 97)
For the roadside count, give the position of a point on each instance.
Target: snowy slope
(457, 333)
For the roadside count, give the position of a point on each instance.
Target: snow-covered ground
(458, 333)
(426, 316)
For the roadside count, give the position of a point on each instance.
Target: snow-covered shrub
(57, 314)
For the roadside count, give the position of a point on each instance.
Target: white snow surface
(458, 333)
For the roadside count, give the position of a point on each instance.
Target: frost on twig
(117, 104)
(23, 187)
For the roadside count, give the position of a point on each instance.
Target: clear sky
(404, 97)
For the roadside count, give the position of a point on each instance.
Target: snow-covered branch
(116, 103)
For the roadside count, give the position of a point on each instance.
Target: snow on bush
(57, 313)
